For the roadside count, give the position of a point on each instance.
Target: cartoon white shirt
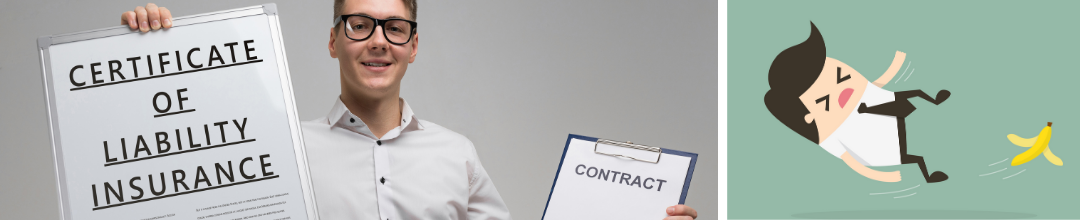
(871, 139)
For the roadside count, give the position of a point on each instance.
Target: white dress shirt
(872, 139)
(418, 170)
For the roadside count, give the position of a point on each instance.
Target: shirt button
(353, 120)
(382, 180)
(379, 143)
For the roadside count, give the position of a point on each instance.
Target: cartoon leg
(941, 95)
(906, 158)
(900, 108)
(937, 176)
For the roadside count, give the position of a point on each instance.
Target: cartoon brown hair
(793, 71)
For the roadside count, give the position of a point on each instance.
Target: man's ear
(330, 46)
(415, 46)
(809, 119)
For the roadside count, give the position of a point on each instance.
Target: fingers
(152, 16)
(140, 15)
(678, 218)
(166, 17)
(128, 18)
(681, 210)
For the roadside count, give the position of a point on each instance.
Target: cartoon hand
(899, 57)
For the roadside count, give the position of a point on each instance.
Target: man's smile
(376, 65)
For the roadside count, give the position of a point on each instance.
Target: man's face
(833, 96)
(372, 68)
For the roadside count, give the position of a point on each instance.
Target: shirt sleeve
(833, 146)
(485, 203)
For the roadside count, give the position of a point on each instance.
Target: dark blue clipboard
(686, 185)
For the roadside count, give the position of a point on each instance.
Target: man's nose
(378, 40)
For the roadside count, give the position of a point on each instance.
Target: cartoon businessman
(831, 104)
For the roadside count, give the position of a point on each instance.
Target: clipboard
(608, 179)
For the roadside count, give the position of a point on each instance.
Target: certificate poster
(193, 122)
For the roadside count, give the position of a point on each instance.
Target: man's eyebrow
(824, 98)
(365, 14)
(838, 78)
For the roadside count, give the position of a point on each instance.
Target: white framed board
(196, 121)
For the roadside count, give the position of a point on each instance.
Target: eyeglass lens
(360, 28)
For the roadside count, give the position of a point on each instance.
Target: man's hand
(681, 212)
(899, 57)
(147, 18)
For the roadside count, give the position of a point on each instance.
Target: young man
(826, 101)
(370, 157)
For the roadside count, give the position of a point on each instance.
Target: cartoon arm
(893, 176)
(897, 61)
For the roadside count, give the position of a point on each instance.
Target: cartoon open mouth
(844, 96)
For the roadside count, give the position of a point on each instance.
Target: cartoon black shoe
(937, 176)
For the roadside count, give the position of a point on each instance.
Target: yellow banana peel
(1023, 142)
(1028, 142)
(1037, 148)
(1053, 159)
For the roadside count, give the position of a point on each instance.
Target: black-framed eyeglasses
(360, 27)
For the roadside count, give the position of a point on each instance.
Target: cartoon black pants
(901, 108)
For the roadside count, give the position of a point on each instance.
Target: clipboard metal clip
(630, 145)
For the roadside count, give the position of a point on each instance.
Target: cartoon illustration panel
(903, 110)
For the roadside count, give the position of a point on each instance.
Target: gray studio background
(514, 76)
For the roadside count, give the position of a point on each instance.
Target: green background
(1011, 67)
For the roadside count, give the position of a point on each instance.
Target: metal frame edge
(54, 136)
(285, 77)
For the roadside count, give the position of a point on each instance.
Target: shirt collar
(341, 117)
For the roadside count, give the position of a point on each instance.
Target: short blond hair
(409, 4)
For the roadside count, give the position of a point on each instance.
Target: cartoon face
(833, 96)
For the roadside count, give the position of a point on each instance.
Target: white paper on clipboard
(603, 181)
